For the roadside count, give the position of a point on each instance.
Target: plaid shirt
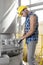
(33, 37)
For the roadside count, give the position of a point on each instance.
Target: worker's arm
(32, 27)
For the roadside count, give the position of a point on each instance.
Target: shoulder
(32, 14)
(32, 17)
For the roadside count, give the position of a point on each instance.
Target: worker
(30, 32)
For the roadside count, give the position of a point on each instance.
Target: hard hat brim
(20, 9)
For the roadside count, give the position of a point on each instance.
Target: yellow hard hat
(20, 9)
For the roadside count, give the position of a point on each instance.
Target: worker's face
(24, 14)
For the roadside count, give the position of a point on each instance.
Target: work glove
(20, 41)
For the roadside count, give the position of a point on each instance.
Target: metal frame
(34, 5)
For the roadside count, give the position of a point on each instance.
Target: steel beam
(36, 4)
(37, 9)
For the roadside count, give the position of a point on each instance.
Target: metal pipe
(36, 4)
(19, 4)
(37, 9)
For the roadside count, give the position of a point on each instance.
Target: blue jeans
(31, 46)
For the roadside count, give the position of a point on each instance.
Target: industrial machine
(10, 50)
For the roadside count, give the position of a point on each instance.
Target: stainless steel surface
(8, 43)
(17, 60)
(4, 60)
(7, 16)
(4, 6)
(11, 47)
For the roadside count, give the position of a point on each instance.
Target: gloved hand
(19, 41)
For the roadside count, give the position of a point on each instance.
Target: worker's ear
(26, 10)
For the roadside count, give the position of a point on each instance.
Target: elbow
(32, 32)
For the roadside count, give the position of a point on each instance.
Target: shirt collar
(28, 14)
